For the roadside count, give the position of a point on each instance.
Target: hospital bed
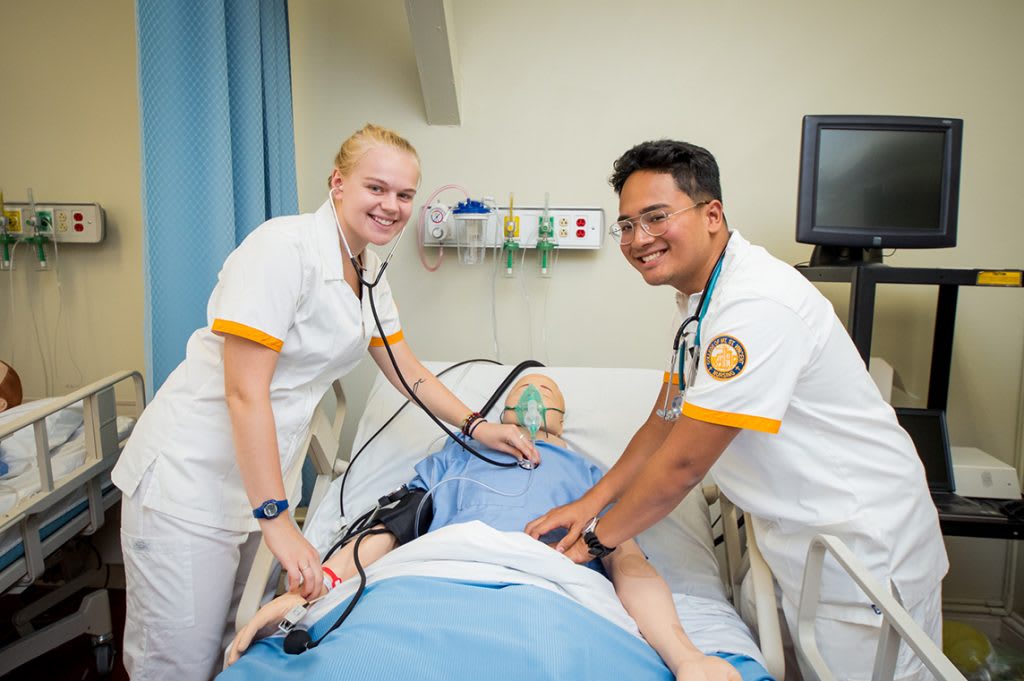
(605, 406)
(57, 455)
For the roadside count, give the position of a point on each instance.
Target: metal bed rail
(896, 623)
(102, 448)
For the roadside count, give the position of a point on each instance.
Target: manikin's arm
(647, 599)
(264, 623)
(445, 405)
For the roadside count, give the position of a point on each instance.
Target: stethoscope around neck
(673, 412)
(356, 265)
(387, 346)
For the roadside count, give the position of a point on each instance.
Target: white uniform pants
(849, 647)
(184, 582)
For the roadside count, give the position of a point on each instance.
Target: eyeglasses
(654, 222)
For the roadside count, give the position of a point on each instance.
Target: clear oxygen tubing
(35, 326)
(10, 272)
(62, 322)
(494, 291)
(423, 501)
(384, 337)
(526, 300)
(545, 313)
(421, 226)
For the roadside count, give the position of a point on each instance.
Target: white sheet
(473, 551)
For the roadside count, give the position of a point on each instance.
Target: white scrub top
(820, 450)
(282, 287)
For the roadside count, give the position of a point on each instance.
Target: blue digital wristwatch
(269, 509)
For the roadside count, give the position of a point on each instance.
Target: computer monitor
(874, 182)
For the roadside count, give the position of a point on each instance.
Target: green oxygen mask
(531, 412)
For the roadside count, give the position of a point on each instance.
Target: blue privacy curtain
(218, 151)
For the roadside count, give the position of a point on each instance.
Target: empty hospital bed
(57, 455)
(604, 406)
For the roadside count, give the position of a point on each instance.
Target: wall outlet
(77, 223)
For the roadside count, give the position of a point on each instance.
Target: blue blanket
(436, 629)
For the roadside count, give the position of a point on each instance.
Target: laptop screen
(927, 428)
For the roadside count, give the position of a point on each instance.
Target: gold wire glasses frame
(654, 222)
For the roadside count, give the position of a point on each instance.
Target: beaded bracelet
(472, 418)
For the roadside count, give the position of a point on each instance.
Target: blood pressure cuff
(400, 519)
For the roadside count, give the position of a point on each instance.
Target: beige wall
(69, 129)
(553, 92)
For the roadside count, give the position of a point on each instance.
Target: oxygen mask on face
(530, 410)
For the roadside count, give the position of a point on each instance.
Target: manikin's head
(678, 180)
(547, 416)
(10, 387)
(373, 184)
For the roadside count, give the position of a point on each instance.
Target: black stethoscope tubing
(370, 286)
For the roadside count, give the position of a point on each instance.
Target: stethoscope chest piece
(673, 412)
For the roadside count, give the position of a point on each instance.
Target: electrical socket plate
(575, 228)
(75, 223)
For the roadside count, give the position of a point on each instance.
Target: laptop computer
(927, 428)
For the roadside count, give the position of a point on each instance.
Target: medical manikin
(455, 487)
(10, 387)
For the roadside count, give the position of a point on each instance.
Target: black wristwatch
(597, 549)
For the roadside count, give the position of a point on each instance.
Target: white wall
(69, 129)
(553, 92)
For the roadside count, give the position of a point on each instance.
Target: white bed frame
(742, 554)
(103, 445)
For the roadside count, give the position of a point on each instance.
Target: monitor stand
(845, 256)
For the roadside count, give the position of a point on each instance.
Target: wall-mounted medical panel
(574, 228)
(77, 223)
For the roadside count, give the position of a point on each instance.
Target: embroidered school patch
(724, 358)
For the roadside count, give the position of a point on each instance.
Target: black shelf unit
(863, 281)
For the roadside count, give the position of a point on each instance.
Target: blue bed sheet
(445, 630)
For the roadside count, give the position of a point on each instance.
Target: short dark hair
(693, 168)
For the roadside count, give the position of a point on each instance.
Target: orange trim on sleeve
(669, 379)
(247, 332)
(724, 418)
(397, 336)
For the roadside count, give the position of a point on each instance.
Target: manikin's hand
(706, 668)
(573, 518)
(505, 437)
(296, 555)
(263, 624)
(579, 552)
